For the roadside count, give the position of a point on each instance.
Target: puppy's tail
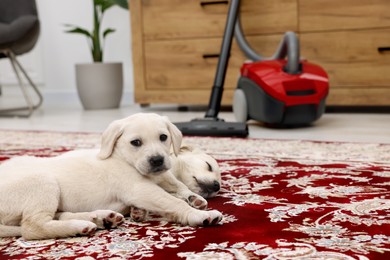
(10, 231)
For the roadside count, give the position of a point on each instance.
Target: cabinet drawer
(167, 19)
(191, 64)
(319, 15)
(351, 58)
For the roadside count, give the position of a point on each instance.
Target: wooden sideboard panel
(195, 97)
(359, 96)
(325, 15)
(351, 58)
(169, 19)
(185, 65)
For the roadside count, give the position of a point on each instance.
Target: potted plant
(99, 84)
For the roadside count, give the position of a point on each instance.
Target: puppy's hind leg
(102, 218)
(137, 214)
(10, 231)
(42, 226)
(40, 205)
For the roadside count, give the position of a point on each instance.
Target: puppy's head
(198, 171)
(142, 140)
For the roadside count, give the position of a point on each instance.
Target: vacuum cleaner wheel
(240, 106)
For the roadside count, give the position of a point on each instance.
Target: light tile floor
(353, 127)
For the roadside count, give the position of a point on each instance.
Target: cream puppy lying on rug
(80, 191)
(197, 170)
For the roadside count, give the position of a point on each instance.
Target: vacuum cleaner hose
(289, 46)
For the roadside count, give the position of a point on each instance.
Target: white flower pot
(99, 85)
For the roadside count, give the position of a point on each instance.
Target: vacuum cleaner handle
(211, 125)
(289, 46)
(219, 80)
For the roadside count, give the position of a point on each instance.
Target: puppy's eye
(136, 143)
(210, 168)
(163, 137)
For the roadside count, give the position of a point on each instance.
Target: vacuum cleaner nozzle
(213, 127)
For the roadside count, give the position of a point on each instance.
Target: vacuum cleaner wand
(211, 125)
(223, 61)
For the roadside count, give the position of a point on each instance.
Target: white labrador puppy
(80, 191)
(198, 171)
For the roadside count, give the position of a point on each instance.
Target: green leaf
(104, 4)
(122, 3)
(80, 31)
(107, 32)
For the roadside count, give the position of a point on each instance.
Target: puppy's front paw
(137, 214)
(197, 202)
(205, 218)
(106, 218)
(81, 227)
(88, 230)
(214, 218)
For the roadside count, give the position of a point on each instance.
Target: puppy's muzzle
(209, 189)
(213, 187)
(157, 164)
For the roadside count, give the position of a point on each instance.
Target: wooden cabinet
(176, 44)
(350, 39)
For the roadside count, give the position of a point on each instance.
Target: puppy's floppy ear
(109, 138)
(176, 136)
(186, 148)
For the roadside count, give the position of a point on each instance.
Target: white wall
(52, 62)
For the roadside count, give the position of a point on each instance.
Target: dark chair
(19, 31)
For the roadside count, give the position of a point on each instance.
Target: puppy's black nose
(156, 161)
(216, 186)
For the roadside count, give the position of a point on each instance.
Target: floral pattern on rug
(281, 199)
(251, 250)
(341, 226)
(130, 241)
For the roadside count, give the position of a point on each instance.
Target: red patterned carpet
(280, 199)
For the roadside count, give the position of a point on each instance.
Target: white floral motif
(382, 174)
(366, 207)
(355, 244)
(324, 230)
(241, 191)
(285, 250)
(337, 191)
(281, 213)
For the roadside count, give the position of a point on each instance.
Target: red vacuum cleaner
(278, 91)
(275, 90)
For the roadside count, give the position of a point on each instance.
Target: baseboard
(70, 98)
(54, 97)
